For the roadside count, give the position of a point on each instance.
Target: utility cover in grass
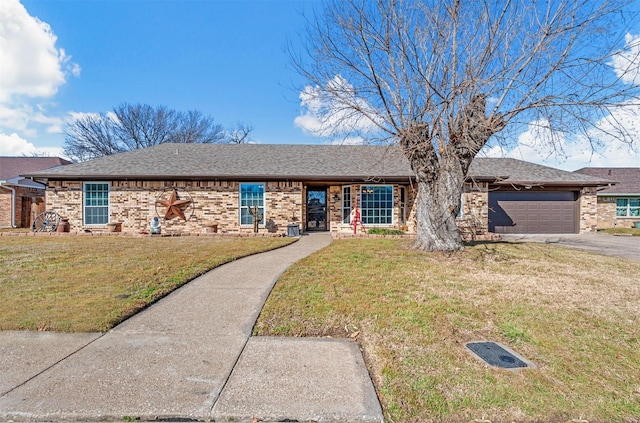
(497, 356)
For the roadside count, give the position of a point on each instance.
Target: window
(346, 204)
(376, 204)
(96, 203)
(628, 207)
(251, 195)
(461, 211)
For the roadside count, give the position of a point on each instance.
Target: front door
(316, 209)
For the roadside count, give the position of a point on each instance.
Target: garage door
(533, 212)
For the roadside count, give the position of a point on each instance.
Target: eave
(243, 178)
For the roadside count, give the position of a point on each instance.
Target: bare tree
(134, 126)
(91, 136)
(240, 134)
(140, 125)
(442, 78)
(193, 127)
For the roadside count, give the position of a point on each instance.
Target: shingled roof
(340, 163)
(244, 162)
(627, 179)
(518, 172)
(10, 167)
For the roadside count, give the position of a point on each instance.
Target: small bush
(384, 231)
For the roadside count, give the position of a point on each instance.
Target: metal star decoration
(175, 206)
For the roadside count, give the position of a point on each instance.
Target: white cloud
(31, 64)
(13, 145)
(15, 118)
(626, 116)
(350, 141)
(32, 69)
(21, 117)
(326, 116)
(539, 145)
(626, 63)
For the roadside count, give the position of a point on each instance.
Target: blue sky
(227, 59)
(223, 58)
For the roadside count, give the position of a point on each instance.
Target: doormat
(497, 355)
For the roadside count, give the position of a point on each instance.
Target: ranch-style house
(197, 188)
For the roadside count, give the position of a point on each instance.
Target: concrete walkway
(190, 356)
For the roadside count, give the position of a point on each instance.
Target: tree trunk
(441, 174)
(438, 204)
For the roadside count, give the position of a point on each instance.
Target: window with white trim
(346, 204)
(251, 195)
(628, 207)
(376, 204)
(96, 203)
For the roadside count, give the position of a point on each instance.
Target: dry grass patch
(621, 231)
(574, 314)
(85, 283)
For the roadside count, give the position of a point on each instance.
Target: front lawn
(576, 315)
(621, 231)
(91, 283)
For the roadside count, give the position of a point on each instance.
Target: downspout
(13, 205)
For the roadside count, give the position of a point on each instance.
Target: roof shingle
(294, 162)
(10, 167)
(627, 179)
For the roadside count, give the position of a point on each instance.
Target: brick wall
(588, 206)
(607, 215)
(5, 207)
(133, 203)
(475, 210)
(22, 200)
(334, 209)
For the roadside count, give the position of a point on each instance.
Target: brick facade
(133, 205)
(5, 207)
(474, 217)
(607, 217)
(27, 203)
(588, 209)
(403, 214)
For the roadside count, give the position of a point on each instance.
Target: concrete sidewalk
(175, 360)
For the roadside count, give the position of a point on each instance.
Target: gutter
(552, 183)
(241, 178)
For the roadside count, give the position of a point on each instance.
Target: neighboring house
(619, 204)
(190, 187)
(21, 198)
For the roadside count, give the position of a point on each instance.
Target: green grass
(91, 283)
(574, 314)
(621, 231)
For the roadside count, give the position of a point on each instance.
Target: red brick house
(190, 187)
(21, 198)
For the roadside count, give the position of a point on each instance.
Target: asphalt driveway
(627, 247)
